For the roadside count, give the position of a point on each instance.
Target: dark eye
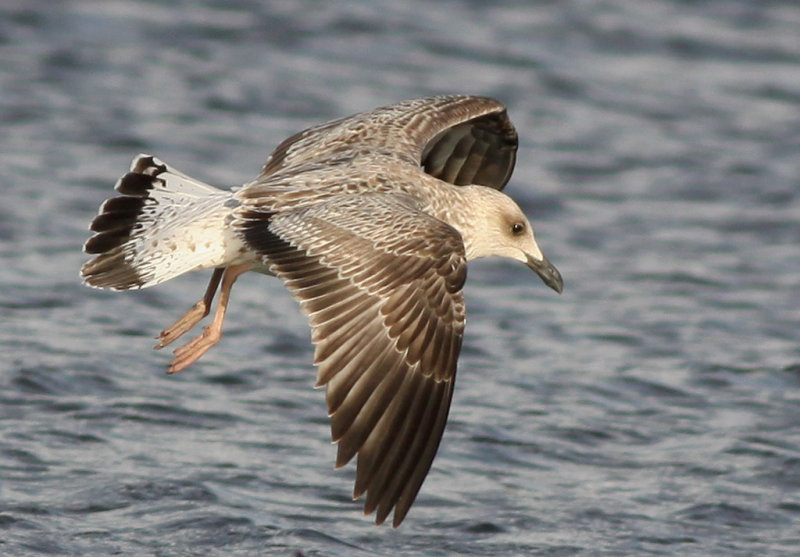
(517, 228)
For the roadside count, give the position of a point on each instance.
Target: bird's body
(369, 221)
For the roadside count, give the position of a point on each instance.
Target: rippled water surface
(652, 409)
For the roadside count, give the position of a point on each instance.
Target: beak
(547, 272)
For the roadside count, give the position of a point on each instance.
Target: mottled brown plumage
(369, 221)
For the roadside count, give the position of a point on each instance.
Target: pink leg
(193, 316)
(189, 353)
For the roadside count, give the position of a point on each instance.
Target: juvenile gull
(369, 221)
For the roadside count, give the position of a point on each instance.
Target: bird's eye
(517, 228)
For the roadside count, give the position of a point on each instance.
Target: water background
(652, 409)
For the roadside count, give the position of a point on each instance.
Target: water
(650, 410)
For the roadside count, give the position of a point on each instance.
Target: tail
(164, 224)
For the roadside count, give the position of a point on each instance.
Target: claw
(190, 352)
(193, 316)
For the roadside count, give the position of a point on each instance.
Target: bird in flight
(369, 221)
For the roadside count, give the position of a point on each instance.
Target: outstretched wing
(458, 139)
(381, 284)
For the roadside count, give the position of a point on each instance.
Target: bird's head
(497, 226)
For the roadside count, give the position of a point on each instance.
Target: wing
(458, 139)
(381, 284)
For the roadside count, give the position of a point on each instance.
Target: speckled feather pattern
(369, 221)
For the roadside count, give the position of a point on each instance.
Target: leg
(188, 354)
(193, 316)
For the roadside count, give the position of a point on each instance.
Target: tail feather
(164, 224)
(114, 224)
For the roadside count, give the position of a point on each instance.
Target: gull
(369, 221)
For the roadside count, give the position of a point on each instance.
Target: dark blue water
(652, 409)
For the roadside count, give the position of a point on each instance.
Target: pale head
(495, 225)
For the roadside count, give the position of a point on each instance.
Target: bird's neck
(453, 205)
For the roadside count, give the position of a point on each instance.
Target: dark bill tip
(547, 272)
